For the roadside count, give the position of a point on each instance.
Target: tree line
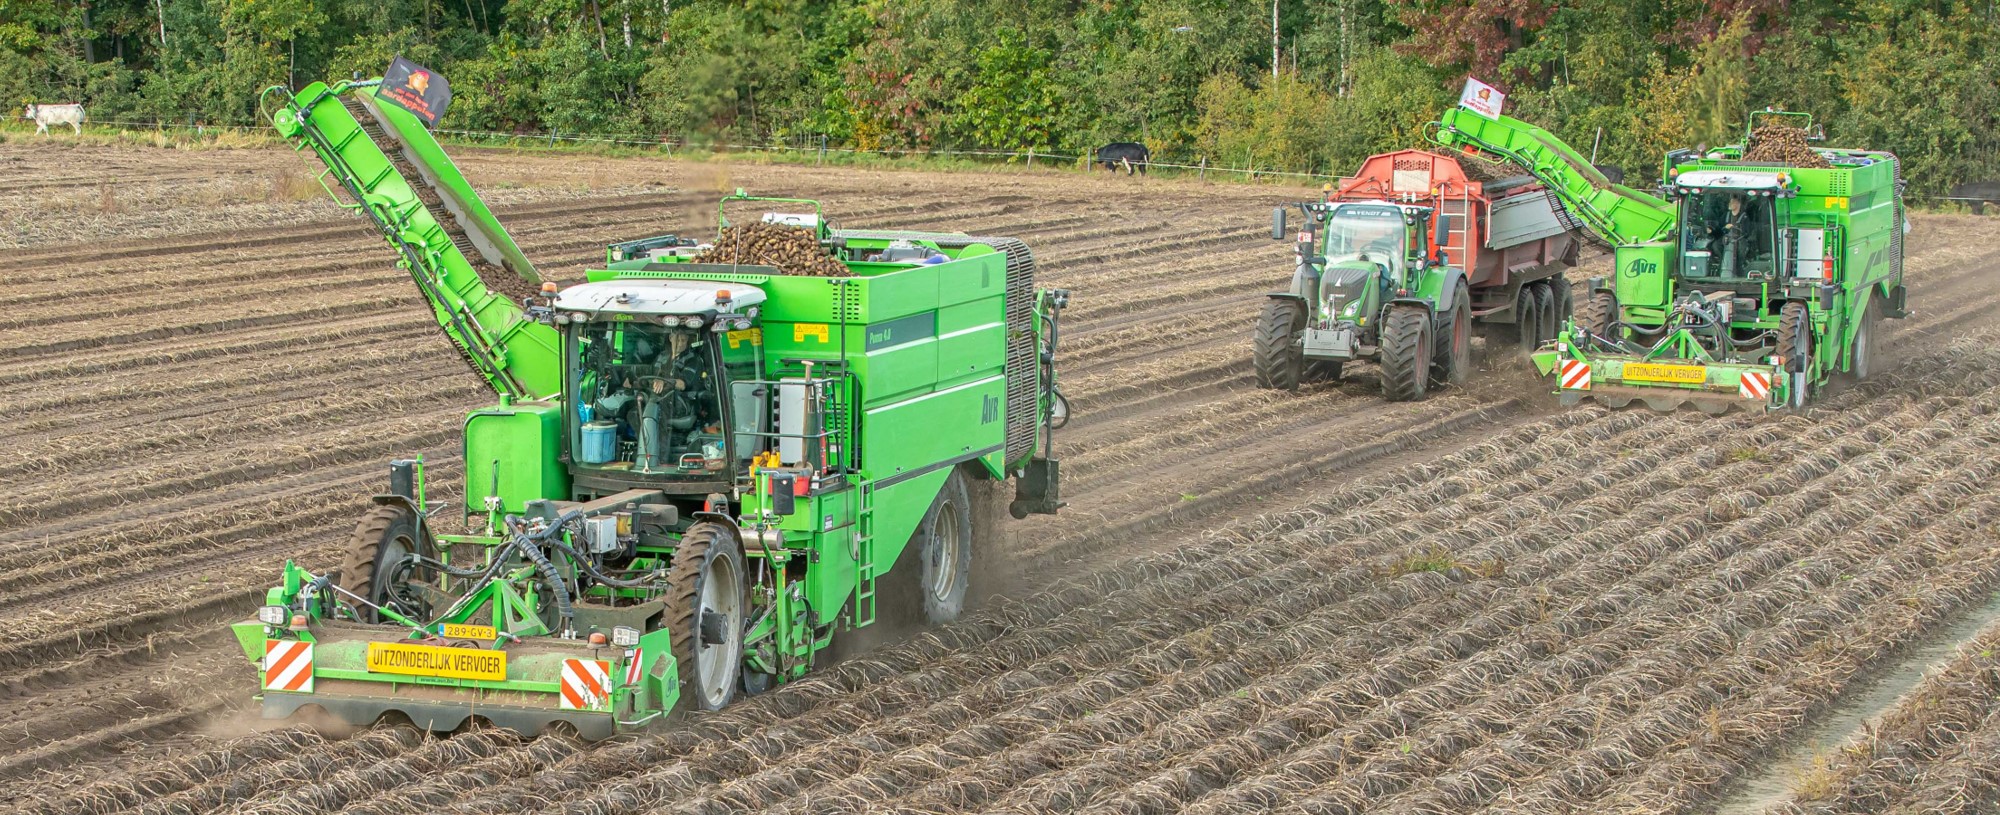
(1626, 79)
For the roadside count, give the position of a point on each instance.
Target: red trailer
(1509, 235)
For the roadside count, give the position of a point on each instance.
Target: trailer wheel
(1600, 313)
(1547, 320)
(375, 565)
(1406, 353)
(1275, 351)
(1528, 318)
(706, 600)
(1452, 362)
(1794, 337)
(1565, 300)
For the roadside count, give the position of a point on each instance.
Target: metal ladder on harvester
(864, 554)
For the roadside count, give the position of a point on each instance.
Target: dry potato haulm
(1255, 600)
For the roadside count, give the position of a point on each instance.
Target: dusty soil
(1310, 602)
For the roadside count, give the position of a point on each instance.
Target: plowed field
(1318, 602)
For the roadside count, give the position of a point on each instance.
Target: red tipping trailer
(1509, 234)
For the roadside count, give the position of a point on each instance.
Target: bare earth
(1312, 602)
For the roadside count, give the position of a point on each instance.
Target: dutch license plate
(462, 631)
(1676, 374)
(430, 660)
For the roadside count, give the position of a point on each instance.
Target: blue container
(600, 443)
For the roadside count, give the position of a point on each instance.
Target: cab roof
(658, 297)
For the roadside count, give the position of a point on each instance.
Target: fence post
(1031, 158)
(1204, 168)
(822, 151)
(552, 138)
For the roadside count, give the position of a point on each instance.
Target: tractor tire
(1794, 337)
(1275, 351)
(372, 569)
(1451, 360)
(1548, 320)
(1861, 363)
(1600, 313)
(1528, 319)
(707, 603)
(1406, 353)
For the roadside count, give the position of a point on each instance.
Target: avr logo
(989, 410)
(1640, 267)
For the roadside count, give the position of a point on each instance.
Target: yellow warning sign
(800, 331)
(430, 660)
(1677, 374)
(462, 631)
(754, 336)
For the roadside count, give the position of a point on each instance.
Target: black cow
(1131, 155)
(1980, 194)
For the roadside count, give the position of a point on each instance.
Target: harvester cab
(707, 460)
(1754, 277)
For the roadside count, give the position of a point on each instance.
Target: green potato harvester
(696, 475)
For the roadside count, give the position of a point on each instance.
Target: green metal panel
(523, 444)
(1643, 274)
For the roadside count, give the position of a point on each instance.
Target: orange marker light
(597, 639)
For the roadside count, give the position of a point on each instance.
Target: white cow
(45, 115)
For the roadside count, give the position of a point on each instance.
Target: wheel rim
(721, 595)
(944, 533)
(1861, 350)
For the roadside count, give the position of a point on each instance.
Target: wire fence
(821, 146)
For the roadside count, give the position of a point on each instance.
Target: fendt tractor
(1400, 260)
(696, 475)
(1746, 283)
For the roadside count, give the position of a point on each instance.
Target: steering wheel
(643, 384)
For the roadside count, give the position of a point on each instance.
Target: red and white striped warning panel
(1574, 374)
(288, 666)
(635, 666)
(586, 684)
(1754, 385)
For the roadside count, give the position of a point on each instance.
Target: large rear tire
(944, 544)
(1406, 353)
(707, 598)
(1275, 351)
(375, 565)
(1862, 363)
(1451, 362)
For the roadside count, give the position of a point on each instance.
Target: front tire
(375, 565)
(1406, 353)
(1794, 337)
(707, 598)
(1275, 351)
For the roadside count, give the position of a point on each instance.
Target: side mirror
(1440, 231)
(1278, 231)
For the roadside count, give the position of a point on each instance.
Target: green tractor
(1401, 261)
(1752, 279)
(696, 474)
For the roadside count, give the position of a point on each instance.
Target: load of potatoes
(792, 250)
(1778, 143)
